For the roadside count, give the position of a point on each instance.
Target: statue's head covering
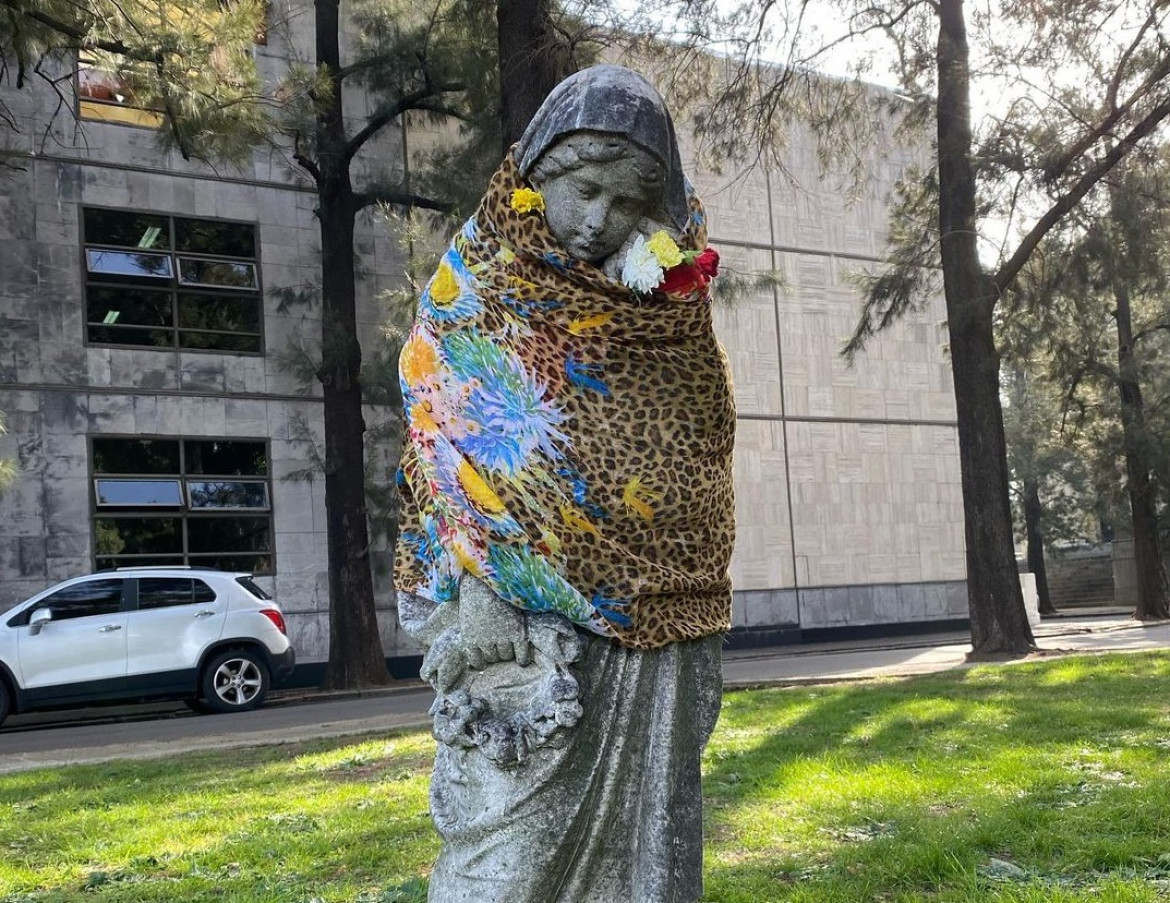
(613, 99)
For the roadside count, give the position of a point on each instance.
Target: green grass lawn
(1038, 783)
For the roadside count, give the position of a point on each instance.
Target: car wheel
(198, 706)
(5, 701)
(235, 681)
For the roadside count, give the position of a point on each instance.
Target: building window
(170, 282)
(106, 96)
(201, 502)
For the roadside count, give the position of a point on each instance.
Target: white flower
(642, 271)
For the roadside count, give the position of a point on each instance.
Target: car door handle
(109, 627)
(204, 614)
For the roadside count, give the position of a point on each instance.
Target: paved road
(38, 740)
(161, 731)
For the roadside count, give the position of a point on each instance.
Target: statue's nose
(594, 218)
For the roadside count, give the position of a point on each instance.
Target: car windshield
(250, 585)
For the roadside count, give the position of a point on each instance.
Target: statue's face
(592, 209)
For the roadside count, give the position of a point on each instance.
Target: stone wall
(1101, 575)
(850, 503)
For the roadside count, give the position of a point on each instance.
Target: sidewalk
(1110, 631)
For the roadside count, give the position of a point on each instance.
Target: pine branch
(1105, 127)
(71, 31)
(396, 198)
(1007, 273)
(370, 62)
(1149, 331)
(416, 100)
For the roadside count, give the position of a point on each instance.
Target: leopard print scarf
(568, 441)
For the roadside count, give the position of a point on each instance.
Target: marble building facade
(849, 496)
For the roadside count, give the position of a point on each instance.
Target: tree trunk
(533, 59)
(1032, 513)
(999, 622)
(1153, 590)
(356, 658)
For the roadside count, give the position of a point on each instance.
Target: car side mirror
(39, 619)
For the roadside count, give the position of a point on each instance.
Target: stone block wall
(849, 508)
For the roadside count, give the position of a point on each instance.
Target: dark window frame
(194, 524)
(178, 294)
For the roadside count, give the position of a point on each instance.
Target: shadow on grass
(911, 789)
(1054, 702)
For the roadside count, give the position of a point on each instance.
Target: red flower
(682, 280)
(691, 277)
(708, 263)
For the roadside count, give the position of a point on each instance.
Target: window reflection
(84, 600)
(138, 294)
(139, 492)
(123, 263)
(136, 456)
(139, 535)
(203, 502)
(227, 494)
(105, 94)
(136, 230)
(216, 272)
(166, 592)
(224, 457)
(137, 306)
(217, 534)
(201, 236)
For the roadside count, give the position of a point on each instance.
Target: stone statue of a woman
(568, 517)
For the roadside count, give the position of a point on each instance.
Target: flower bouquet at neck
(658, 264)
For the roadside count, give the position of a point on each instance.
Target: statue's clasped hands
(491, 630)
(481, 630)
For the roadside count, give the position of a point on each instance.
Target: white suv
(209, 637)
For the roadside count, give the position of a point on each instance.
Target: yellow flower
(444, 288)
(479, 493)
(525, 200)
(418, 361)
(421, 419)
(665, 251)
